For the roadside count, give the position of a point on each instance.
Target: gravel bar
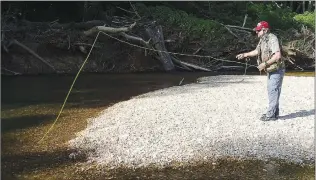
(217, 117)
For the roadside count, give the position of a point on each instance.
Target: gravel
(217, 117)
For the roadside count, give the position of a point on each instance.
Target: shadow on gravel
(221, 169)
(302, 113)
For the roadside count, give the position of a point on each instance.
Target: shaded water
(31, 103)
(89, 89)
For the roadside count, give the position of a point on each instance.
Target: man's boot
(265, 118)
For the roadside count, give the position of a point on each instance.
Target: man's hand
(240, 56)
(261, 66)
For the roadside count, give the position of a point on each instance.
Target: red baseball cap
(262, 24)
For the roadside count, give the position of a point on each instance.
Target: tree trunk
(156, 35)
(310, 4)
(85, 8)
(298, 8)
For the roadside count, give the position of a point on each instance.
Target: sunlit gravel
(217, 117)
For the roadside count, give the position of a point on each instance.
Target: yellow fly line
(95, 40)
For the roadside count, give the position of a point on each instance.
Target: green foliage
(278, 18)
(232, 13)
(210, 32)
(308, 19)
(188, 23)
(227, 12)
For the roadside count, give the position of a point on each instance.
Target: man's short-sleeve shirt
(267, 46)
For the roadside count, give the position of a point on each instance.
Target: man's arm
(248, 54)
(275, 58)
(251, 53)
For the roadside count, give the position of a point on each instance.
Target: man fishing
(269, 60)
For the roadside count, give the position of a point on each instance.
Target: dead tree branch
(191, 65)
(228, 29)
(108, 29)
(68, 41)
(137, 39)
(182, 66)
(13, 72)
(231, 32)
(197, 50)
(32, 52)
(238, 27)
(125, 10)
(5, 48)
(245, 19)
(85, 44)
(135, 11)
(289, 59)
